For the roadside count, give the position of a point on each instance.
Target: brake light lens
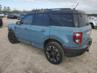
(77, 37)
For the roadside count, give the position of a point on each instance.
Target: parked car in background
(13, 16)
(58, 32)
(93, 21)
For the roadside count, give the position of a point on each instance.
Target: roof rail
(53, 9)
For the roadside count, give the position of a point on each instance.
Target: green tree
(5, 8)
(8, 9)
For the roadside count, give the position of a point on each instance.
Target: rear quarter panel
(65, 35)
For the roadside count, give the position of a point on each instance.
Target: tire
(54, 52)
(12, 38)
(1, 23)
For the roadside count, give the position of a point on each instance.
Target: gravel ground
(23, 58)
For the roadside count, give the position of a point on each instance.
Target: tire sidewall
(60, 50)
(12, 38)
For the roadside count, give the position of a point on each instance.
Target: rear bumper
(73, 52)
(69, 52)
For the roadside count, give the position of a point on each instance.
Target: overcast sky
(90, 6)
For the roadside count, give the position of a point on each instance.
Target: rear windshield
(81, 20)
(62, 19)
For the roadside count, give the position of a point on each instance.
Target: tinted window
(64, 19)
(27, 19)
(41, 19)
(81, 20)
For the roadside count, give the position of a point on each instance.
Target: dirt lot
(23, 58)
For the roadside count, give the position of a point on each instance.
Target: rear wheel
(54, 52)
(12, 38)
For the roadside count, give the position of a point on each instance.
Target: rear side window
(64, 19)
(27, 19)
(41, 19)
(81, 19)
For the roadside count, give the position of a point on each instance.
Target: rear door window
(64, 19)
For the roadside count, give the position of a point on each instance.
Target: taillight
(77, 37)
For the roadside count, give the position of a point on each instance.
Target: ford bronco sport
(58, 31)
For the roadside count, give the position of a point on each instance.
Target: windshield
(81, 20)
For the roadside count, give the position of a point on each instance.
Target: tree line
(7, 9)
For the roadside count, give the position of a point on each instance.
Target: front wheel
(1, 23)
(54, 52)
(12, 38)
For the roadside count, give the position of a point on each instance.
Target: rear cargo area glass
(81, 20)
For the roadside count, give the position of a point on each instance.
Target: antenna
(76, 4)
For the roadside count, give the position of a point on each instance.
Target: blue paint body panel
(37, 34)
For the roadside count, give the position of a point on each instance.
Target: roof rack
(53, 9)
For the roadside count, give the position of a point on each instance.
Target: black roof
(56, 10)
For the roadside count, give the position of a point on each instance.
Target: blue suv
(58, 32)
